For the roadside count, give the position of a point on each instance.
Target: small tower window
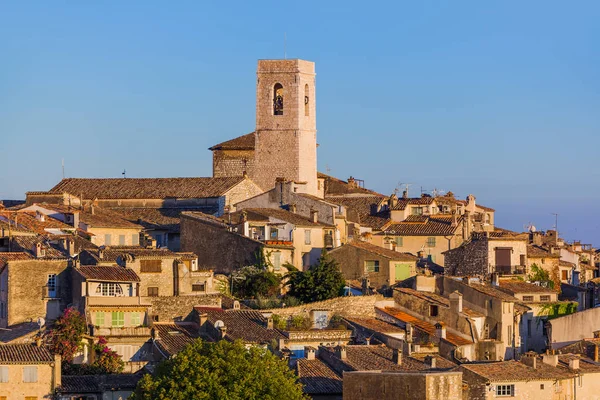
(306, 101)
(278, 99)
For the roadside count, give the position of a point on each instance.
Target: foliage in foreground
(65, 337)
(220, 370)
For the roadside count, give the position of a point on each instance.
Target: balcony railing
(510, 269)
(138, 331)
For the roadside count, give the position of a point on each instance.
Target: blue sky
(498, 99)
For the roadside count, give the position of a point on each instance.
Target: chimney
(454, 219)
(352, 182)
(574, 364)
(596, 359)
(393, 201)
(269, 322)
(38, 250)
(440, 330)
(431, 362)
(223, 331)
(244, 216)
(397, 356)
(39, 216)
(92, 209)
(456, 301)
(101, 252)
(405, 194)
(530, 359)
(340, 352)
(314, 216)
(310, 352)
(368, 341)
(70, 247)
(292, 208)
(56, 371)
(203, 319)
(550, 359)
(596, 334)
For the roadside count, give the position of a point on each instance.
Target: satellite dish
(533, 228)
(41, 321)
(219, 324)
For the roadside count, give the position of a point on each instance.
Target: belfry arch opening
(278, 99)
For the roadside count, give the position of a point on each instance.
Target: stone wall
(574, 327)
(357, 306)
(232, 162)
(377, 385)
(352, 264)
(181, 307)
(468, 260)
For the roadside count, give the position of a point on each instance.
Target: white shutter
(30, 374)
(4, 374)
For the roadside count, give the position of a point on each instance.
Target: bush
(66, 334)
(322, 281)
(300, 323)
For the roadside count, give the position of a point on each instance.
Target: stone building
(378, 267)
(28, 371)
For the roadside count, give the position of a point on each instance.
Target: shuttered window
(135, 319)
(199, 287)
(30, 374)
(118, 318)
(100, 318)
(399, 241)
(107, 239)
(431, 242)
(121, 240)
(135, 239)
(150, 265)
(152, 291)
(372, 266)
(3, 374)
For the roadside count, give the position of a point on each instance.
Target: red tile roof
(24, 354)
(514, 286)
(515, 371)
(264, 214)
(108, 273)
(172, 338)
(317, 377)
(387, 253)
(434, 225)
(534, 251)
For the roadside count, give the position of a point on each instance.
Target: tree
(221, 370)
(252, 282)
(541, 275)
(322, 281)
(66, 334)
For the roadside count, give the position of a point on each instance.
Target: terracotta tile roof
(338, 187)
(10, 226)
(434, 225)
(103, 218)
(154, 218)
(534, 251)
(246, 325)
(264, 214)
(436, 298)
(172, 338)
(108, 273)
(375, 325)
(403, 203)
(358, 209)
(19, 333)
(27, 220)
(14, 256)
(563, 263)
(380, 357)
(387, 253)
(586, 365)
(24, 354)
(317, 377)
(146, 188)
(515, 371)
(98, 383)
(494, 292)
(245, 142)
(514, 286)
(424, 326)
(27, 243)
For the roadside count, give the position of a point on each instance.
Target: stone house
(28, 371)
(487, 253)
(33, 285)
(168, 339)
(223, 250)
(109, 298)
(379, 266)
(98, 387)
(568, 329)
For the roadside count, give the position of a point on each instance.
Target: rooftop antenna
(63, 168)
(285, 45)
(124, 173)
(327, 169)
(556, 224)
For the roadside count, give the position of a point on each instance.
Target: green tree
(222, 370)
(253, 282)
(322, 281)
(541, 275)
(66, 334)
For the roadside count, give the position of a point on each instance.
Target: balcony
(113, 301)
(49, 294)
(137, 331)
(510, 269)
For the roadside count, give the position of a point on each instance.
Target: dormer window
(278, 99)
(109, 289)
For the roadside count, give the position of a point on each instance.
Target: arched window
(306, 101)
(109, 289)
(278, 99)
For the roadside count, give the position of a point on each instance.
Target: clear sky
(496, 98)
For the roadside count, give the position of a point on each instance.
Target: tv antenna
(124, 173)
(406, 187)
(63, 168)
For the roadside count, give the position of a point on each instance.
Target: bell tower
(286, 129)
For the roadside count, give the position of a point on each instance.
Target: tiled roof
(403, 203)
(27, 243)
(568, 264)
(379, 357)
(264, 214)
(375, 325)
(515, 371)
(146, 188)
(27, 220)
(436, 298)
(338, 187)
(317, 377)
(246, 325)
(112, 253)
(534, 251)
(359, 210)
(24, 354)
(10, 226)
(388, 253)
(108, 273)
(19, 333)
(492, 291)
(172, 338)
(154, 218)
(424, 325)
(103, 218)
(434, 225)
(14, 256)
(245, 142)
(98, 383)
(514, 286)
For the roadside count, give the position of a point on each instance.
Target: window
(31, 398)
(274, 233)
(194, 265)
(135, 319)
(399, 241)
(199, 287)
(152, 291)
(150, 266)
(523, 262)
(431, 242)
(306, 100)
(505, 390)
(51, 285)
(564, 275)
(527, 298)
(30, 374)
(121, 240)
(107, 239)
(278, 99)
(372, 266)
(544, 298)
(3, 374)
(100, 318)
(118, 318)
(542, 386)
(417, 211)
(277, 260)
(433, 310)
(109, 289)
(135, 239)
(307, 236)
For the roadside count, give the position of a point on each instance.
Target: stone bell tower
(286, 129)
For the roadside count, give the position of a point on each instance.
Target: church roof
(245, 142)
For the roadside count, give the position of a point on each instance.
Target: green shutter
(135, 319)
(118, 318)
(99, 318)
(403, 271)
